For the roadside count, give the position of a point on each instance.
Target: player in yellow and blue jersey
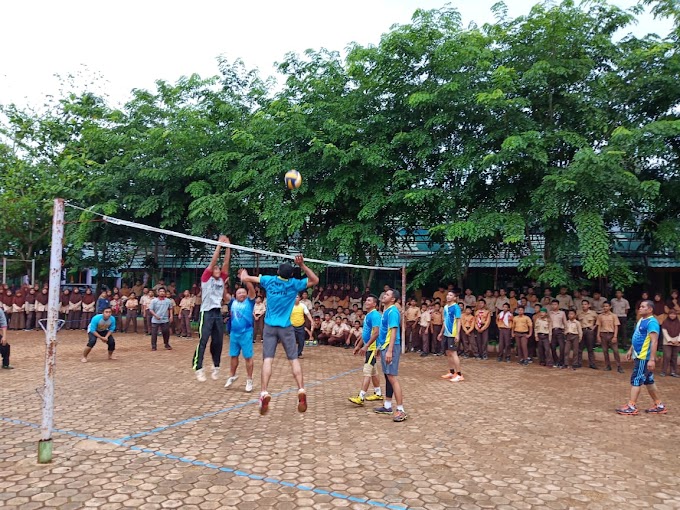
(450, 335)
(389, 345)
(643, 352)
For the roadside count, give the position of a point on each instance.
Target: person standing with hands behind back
(210, 324)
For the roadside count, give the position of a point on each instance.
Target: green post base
(45, 451)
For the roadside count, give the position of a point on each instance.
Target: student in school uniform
(659, 308)
(597, 302)
(573, 335)
(131, 306)
(588, 320)
(411, 315)
(75, 309)
(18, 320)
(467, 334)
(186, 306)
(469, 299)
(30, 310)
(64, 300)
(425, 329)
(89, 305)
(504, 322)
(543, 332)
(671, 343)
(41, 299)
(607, 335)
(144, 302)
(621, 308)
(522, 327)
(437, 318)
(565, 300)
(558, 321)
(482, 325)
(198, 300)
(512, 301)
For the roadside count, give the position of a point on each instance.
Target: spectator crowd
(554, 329)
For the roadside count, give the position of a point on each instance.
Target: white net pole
(45, 445)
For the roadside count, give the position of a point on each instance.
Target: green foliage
(547, 125)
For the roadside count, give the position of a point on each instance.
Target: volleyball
(293, 179)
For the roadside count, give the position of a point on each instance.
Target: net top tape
(148, 228)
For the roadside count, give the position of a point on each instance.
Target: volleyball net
(239, 249)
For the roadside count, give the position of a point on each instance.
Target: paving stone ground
(508, 437)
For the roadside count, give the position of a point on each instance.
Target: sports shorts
(450, 343)
(393, 367)
(273, 335)
(241, 342)
(641, 376)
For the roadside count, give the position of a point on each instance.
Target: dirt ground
(141, 432)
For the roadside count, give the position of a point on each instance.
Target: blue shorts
(392, 368)
(241, 342)
(640, 373)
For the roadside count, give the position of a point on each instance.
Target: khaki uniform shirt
(542, 325)
(522, 324)
(500, 301)
(565, 301)
(620, 307)
(412, 313)
(607, 322)
(597, 304)
(573, 328)
(558, 319)
(437, 318)
(587, 319)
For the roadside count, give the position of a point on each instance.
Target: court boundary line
(224, 469)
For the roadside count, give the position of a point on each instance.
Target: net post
(4, 270)
(45, 444)
(403, 307)
(32, 272)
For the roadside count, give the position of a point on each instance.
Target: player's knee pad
(370, 370)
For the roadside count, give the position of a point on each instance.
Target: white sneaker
(457, 379)
(230, 381)
(249, 385)
(215, 373)
(200, 375)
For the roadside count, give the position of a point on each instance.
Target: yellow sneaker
(374, 397)
(356, 400)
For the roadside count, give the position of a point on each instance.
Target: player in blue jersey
(367, 348)
(241, 308)
(281, 292)
(643, 352)
(389, 344)
(450, 336)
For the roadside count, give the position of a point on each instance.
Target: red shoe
(264, 403)
(302, 401)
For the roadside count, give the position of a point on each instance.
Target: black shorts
(450, 343)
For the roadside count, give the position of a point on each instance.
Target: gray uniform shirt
(161, 307)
